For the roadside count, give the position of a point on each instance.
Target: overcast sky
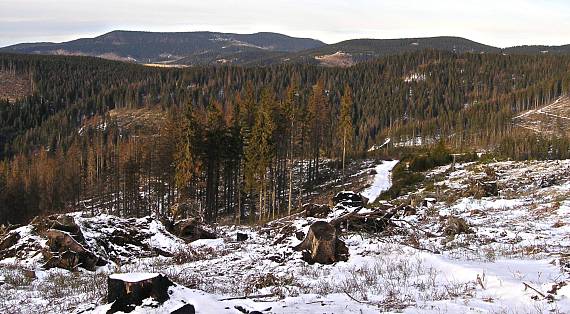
(496, 22)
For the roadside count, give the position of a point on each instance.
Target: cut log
(350, 199)
(316, 210)
(321, 245)
(9, 240)
(127, 291)
(190, 230)
(372, 221)
(58, 222)
(65, 252)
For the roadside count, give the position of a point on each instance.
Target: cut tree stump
(321, 245)
(127, 291)
(185, 309)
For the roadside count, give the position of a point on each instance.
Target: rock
(316, 210)
(348, 198)
(9, 240)
(185, 309)
(127, 291)
(190, 230)
(300, 235)
(242, 237)
(321, 245)
(65, 252)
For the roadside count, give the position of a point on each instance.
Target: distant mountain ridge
(207, 48)
(149, 47)
(358, 50)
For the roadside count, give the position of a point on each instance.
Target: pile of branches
(372, 221)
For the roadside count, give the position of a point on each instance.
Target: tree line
(246, 143)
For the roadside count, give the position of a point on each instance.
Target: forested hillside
(246, 143)
(191, 48)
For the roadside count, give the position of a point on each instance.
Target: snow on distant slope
(382, 180)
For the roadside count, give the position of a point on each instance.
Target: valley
(207, 172)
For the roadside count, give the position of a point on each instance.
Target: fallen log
(321, 245)
(190, 230)
(316, 210)
(127, 291)
(9, 240)
(373, 221)
(257, 296)
(65, 252)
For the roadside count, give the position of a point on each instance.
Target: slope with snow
(509, 262)
(382, 180)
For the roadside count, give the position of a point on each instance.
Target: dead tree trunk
(321, 245)
(126, 291)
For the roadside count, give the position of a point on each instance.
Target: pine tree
(345, 128)
(187, 163)
(259, 155)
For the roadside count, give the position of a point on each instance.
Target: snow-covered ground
(382, 180)
(509, 261)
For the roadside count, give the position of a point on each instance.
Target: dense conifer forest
(247, 142)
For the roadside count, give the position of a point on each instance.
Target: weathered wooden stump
(126, 291)
(321, 245)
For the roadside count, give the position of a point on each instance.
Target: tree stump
(321, 245)
(126, 291)
(185, 309)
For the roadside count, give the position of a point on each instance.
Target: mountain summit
(186, 47)
(210, 48)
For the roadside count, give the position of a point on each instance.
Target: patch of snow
(377, 147)
(211, 243)
(382, 180)
(133, 277)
